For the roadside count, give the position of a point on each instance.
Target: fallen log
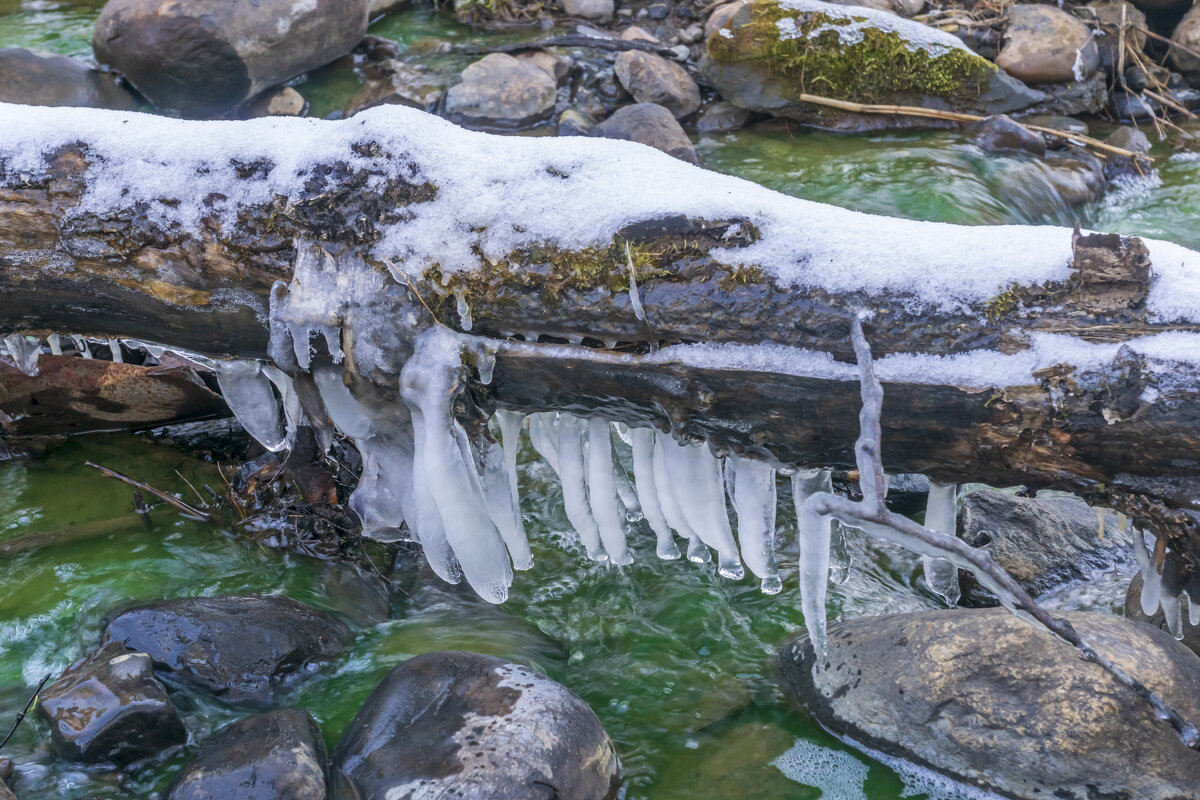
(605, 278)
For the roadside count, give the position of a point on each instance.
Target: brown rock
(650, 78)
(1044, 44)
(721, 16)
(1187, 33)
(651, 125)
(501, 92)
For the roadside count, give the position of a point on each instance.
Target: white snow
(496, 194)
(850, 21)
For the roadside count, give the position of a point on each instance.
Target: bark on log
(1114, 432)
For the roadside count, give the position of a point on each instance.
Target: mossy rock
(771, 52)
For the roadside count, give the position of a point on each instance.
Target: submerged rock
(205, 57)
(110, 707)
(475, 727)
(237, 647)
(768, 52)
(1044, 44)
(722, 117)
(501, 92)
(990, 700)
(37, 78)
(651, 125)
(1000, 134)
(279, 755)
(1041, 542)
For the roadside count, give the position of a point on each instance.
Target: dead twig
(28, 704)
(572, 40)
(161, 495)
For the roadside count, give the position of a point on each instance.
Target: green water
(676, 661)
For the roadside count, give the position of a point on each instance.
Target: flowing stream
(676, 661)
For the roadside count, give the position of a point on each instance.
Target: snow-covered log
(603, 277)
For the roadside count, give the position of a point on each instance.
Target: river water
(676, 661)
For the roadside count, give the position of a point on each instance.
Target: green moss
(1001, 305)
(879, 67)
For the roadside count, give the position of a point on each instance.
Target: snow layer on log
(497, 194)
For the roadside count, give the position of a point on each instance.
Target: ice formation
(941, 514)
(24, 351)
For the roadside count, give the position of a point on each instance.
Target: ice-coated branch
(871, 514)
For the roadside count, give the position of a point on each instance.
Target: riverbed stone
(1001, 134)
(651, 125)
(993, 701)
(205, 57)
(279, 755)
(597, 10)
(650, 78)
(395, 82)
(1088, 96)
(1187, 33)
(38, 78)
(1042, 542)
(501, 92)
(1108, 14)
(237, 647)
(721, 117)
(1044, 44)
(109, 707)
(475, 727)
(765, 55)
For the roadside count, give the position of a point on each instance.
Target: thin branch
(872, 515)
(573, 40)
(28, 703)
(161, 495)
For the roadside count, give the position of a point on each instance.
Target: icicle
(1193, 611)
(114, 347)
(1122, 523)
(500, 490)
(333, 341)
(1173, 613)
(55, 342)
(697, 553)
(300, 344)
(941, 515)
(293, 412)
(1100, 522)
(575, 340)
(24, 351)
(752, 489)
(623, 433)
(635, 296)
(543, 435)
(510, 432)
(625, 490)
(698, 486)
(82, 346)
(1151, 579)
(642, 440)
(602, 491)
(346, 412)
(428, 383)
(839, 555)
(248, 393)
(813, 532)
(485, 362)
(464, 311)
(572, 470)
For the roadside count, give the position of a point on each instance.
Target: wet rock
(501, 92)
(651, 125)
(766, 54)
(692, 33)
(394, 82)
(1129, 138)
(1138, 79)
(479, 728)
(1058, 123)
(1133, 107)
(908, 493)
(37, 78)
(574, 123)
(992, 701)
(553, 64)
(1000, 134)
(1044, 44)
(658, 11)
(285, 102)
(721, 117)
(1187, 33)
(279, 755)
(650, 78)
(598, 10)
(1109, 15)
(1042, 542)
(205, 57)
(237, 647)
(110, 707)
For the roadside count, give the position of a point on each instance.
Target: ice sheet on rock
(752, 489)
(697, 553)
(602, 491)
(642, 441)
(572, 470)
(428, 383)
(485, 183)
(812, 533)
(248, 393)
(698, 486)
(24, 351)
(941, 514)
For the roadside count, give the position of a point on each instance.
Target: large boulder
(652, 125)
(37, 78)
(650, 78)
(1187, 33)
(473, 727)
(205, 57)
(237, 647)
(769, 52)
(279, 755)
(499, 92)
(1042, 542)
(1044, 44)
(990, 700)
(110, 707)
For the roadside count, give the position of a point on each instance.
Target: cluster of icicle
(1155, 595)
(25, 350)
